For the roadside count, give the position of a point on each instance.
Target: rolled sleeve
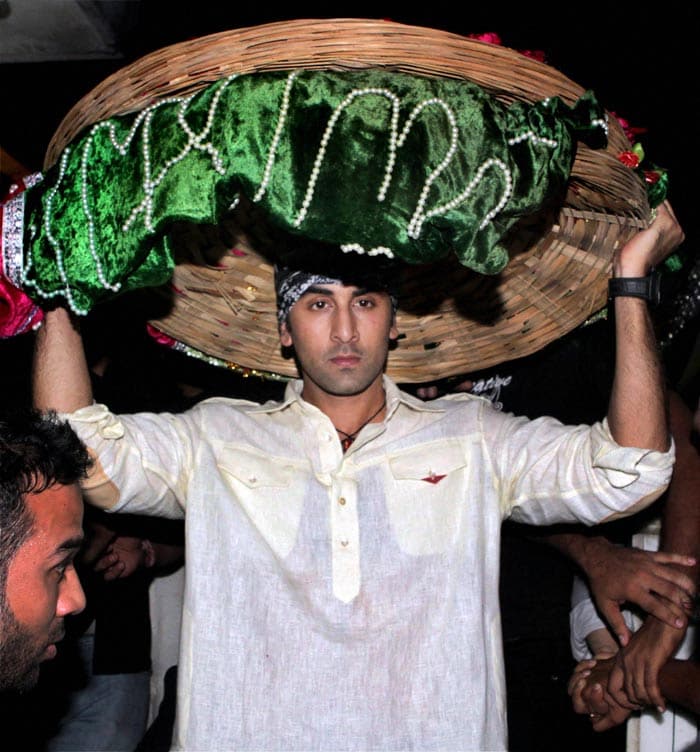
(557, 473)
(140, 463)
(623, 466)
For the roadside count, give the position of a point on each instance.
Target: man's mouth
(51, 649)
(345, 361)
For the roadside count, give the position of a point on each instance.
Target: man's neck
(349, 412)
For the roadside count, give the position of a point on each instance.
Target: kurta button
(252, 479)
(341, 501)
(344, 542)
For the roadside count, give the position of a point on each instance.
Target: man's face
(42, 586)
(341, 337)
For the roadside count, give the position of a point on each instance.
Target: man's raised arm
(61, 380)
(637, 412)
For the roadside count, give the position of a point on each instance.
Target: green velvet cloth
(381, 162)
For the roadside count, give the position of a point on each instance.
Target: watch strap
(635, 287)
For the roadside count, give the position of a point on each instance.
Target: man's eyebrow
(70, 544)
(317, 290)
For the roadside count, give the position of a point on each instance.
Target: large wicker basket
(452, 320)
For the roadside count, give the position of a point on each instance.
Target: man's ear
(393, 329)
(285, 335)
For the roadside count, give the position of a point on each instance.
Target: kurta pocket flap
(256, 471)
(428, 462)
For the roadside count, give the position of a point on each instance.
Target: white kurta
(350, 602)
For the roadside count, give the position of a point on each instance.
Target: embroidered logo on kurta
(432, 478)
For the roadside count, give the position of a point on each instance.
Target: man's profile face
(42, 586)
(340, 334)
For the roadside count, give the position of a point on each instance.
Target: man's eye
(319, 304)
(365, 302)
(62, 568)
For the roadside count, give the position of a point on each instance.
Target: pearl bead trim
(66, 291)
(357, 248)
(320, 156)
(281, 121)
(201, 141)
(601, 123)
(531, 136)
(195, 141)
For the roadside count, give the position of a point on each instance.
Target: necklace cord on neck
(350, 437)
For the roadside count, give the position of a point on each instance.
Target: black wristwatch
(648, 288)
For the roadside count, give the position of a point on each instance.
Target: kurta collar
(394, 398)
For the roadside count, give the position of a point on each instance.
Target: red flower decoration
(535, 55)
(651, 177)
(160, 337)
(629, 159)
(630, 131)
(490, 36)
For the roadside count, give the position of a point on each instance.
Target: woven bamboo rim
(452, 320)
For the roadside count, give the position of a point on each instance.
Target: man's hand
(124, 557)
(650, 247)
(587, 689)
(635, 675)
(649, 579)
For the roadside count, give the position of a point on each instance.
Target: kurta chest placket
(344, 524)
(345, 539)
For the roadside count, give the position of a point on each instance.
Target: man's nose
(71, 598)
(344, 325)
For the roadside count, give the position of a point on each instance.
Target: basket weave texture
(452, 320)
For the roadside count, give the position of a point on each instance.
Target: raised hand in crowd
(632, 677)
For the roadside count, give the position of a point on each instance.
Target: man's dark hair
(37, 451)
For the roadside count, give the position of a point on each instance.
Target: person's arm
(661, 583)
(143, 462)
(638, 664)
(638, 380)
(61, 379)
(679, 681)
(127, 555)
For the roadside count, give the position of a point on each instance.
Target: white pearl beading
(601, 123)
(380, 250)
(534, 138)
(66, 291)
(281, 122)
(320, 156)
(195, 141)
(396, 141)
(419, 216)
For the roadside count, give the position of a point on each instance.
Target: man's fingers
(664, 609)
(616, 621)
(619, 689)
(645, 689)
(594, 699)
